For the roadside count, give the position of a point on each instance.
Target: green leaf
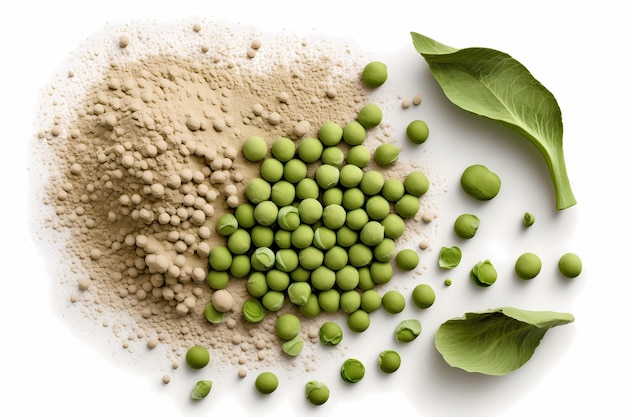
(494, 85)
(495, 341)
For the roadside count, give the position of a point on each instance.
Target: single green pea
(197, 357)
(272, 169)
(311, 258)
(286, 260)
(466, 225)
(324, 238)
(333, 195)
(484, 274)
(239, 242)
(450, 257)
(392, 189)
(302, 236)
(277, 280)
(447, 282)
(394, 225)
(300, 274)
(327, 176)
(323, 278)
(253, 311)
(254, 148)
(527, 265)
(346, 277)
(311, 210)
(226, 224)
(389, 361)
(295, 170)
(201, 389)
(353, 198)
(317, 393)
(346, 237)
(262, 259)
(407, 259)
(241, 266)
(480, 183)
(258, 190)
(381, 272)
(417, 131)
(283, 193)
(372, 182)
(299, 292)
(288, 218)
(336, 258)
(386, 154)
(350, 175)
(266, 382)
(293, 347)
(408, 330)
(423, 296)
(374, 74)
(416, 183)
(359, 255)
(311, 308)
(287, 326)
(273, 300)
(212, 315)
(407, 206)
(528, 220)
(385, 250)
(330, 333)
(217, 280)
(365, 279)
(377, 207)
(372, 233)
(356, 219)
(257, 284)
(333, 216)
(329, 300)
(244, 213)
(350, 301)
(262, 235)
(283, 149)
(354, 133)
(570, 265)
(371, 300)
(307, 188)
(359, 155)
(333, 155)
(330, 133)
(310, 149)
(352, 370)
(358, 321)
(220, 258)
(282, 238)
(393, 302)
(370, 116)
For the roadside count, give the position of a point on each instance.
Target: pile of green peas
(318, 228)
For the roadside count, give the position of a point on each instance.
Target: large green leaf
(492, 84)
(495, 341)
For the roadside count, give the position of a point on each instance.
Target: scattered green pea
(349, 301)
(288, 218)
(358, 321)
(336, 259)
(220, 258)
(212, 315)
(310, 150)
(226, 224)
(372, 233)
(352, 370)
(385, 250)
(311, 210)
(333, 155)
(371, 300)
(359, 155)
(283, 193)
(377, 207)
(447, 282)
(239, 242)
(307, 188)
(570, 265)
(449, 257)
(527, 265)
(466, 225)
(282, 238)
(407, 259)
(394, 225)
(271, 170)
(295, 170)
(374, 74)
(480, 183)
(201, 389)
(347, 277)
(353, 198)
(350, 175)
(365, 279)
(359, 255)
(266, 382)
(381, 272)
(283, 149)
(329, 300)
(311, 258)
(273, 300)
(197, 357)
(528, 220)
(293, 347)
(389, 361)
(277, 280)
(330, 133)
(408, 330)
(416, 183)
(286, 260)
(303, 236)
(354, 133)
(299, 292)
(327, 176)
(253, 310)
(370, 116)
(417, 131)
(356, 219)
(317, 393)
(244, 213)
(386, 154)
(258, 190)
(311, 308)
(217, 280)
(254, 148)
(346, 237)
(407, 206)
(261, 236)
(323, 278)
(256, 284)
(262, 259)
(393, 189)
(423, 296)
(484, 274)
(333, 216)
(393, 302)
(330, 333)
(372, 182)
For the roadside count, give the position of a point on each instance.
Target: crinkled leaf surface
(492, 84)
(495, 341)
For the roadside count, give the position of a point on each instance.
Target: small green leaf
(495, 341)
(494, 85)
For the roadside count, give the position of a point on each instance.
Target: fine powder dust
(139, 152)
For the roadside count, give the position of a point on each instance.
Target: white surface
(571, 47)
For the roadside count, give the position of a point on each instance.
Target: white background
(574, 48)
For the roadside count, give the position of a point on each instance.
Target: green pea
(241, 266)
(323, 278)
(527, 265)
(407, 259)
(244, 213)
(394, 225)
(484, 274)
(311, 258)
(393, 302)
(350, 175)
(480, 183)
(570, 265)
(277, 280)
(333, 155)
(372, 182)
(353, 198)
(239, 242)
(226, 224)
(262, 235)
(381, 272)
(257, 284)
(350, 301)
(372, 233)
(299, 292)
(283, 149)
(447, 282)
(356, 219)
(359, 255)
(352, 370)
(358, 321)
(310, 150)
(377, 207)
(407, 206)
(317, 393)
(220, 258)
(450, 257)
(336, 258)
(262, 259)
(408, 330)
(423, 296)
(371, 300)
(311, 308)
(333, 216)
(254, 148)
(253, 311)
(272, 170)
(282, 238)
(288, 218)
(327, 176)
(389, 361)
(528, 220)
(197, 357)
(333, 195)
(346, 237)
(201, 389)
(311, 210)
(416, 183)
(330, 133)
(212, 315)
(287, 326)
(283, 193)
(302, 237)
(329, 300)
(300, 274)
(273, 300)
(324, 238)
(354, 133)
(330, 333)
(307, 188)
(417, 131)
(258, 190)
(386, 154)
(293, 347)
(370, 116)
(385, 250)
(365, 279)
(392, 189)
(466, 225)
(347, 277)
(374, 74)
(359, 155)
(217, 280)
(266, 382)
(286, 260)
(294, 171)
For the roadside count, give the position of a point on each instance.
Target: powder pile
(139, 145)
